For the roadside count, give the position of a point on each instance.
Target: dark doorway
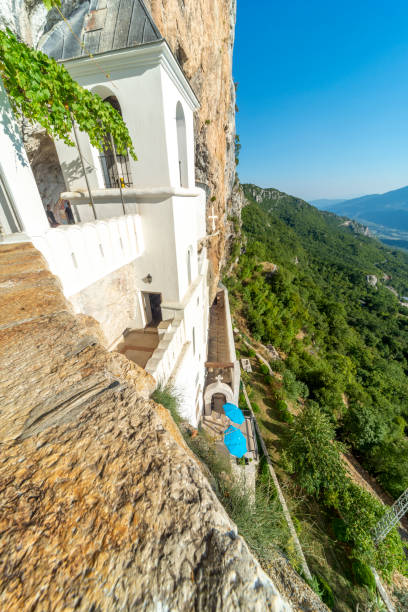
(217, 402)
(152, 302)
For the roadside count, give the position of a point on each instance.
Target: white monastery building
(135, 259)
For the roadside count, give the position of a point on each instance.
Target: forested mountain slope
(345, 341)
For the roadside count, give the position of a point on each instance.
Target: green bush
(326, 592)
(264, 369)
(315, 586)
(363, 575)
(283, 410)
(255, 407)
(277, 365)
(340, 529)
(251, 353)
(313, 453)
(242, 402)
(268, 379)
(170, 399)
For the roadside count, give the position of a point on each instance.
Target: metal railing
(391, 517)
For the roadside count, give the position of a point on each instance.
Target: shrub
(294, 388)
(360, 512)
(264, 369)
(315, 586)
(268, 379)
(326, 592)
(363, 575)
(242, 402)
(251, 353)
(340, 529)
(278, 365)
(255, 407)
(283, 410)
(170, 399)
(314, 455)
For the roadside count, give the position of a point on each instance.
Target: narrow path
(258, 355)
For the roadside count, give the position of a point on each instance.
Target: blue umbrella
(235, 441)
(234, 413)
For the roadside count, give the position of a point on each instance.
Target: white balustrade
(84, 253)
(163, 361)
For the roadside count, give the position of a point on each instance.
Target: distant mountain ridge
(388, 209)
(326, 203)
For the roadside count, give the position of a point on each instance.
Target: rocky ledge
(102, 505)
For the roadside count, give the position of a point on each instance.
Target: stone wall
(112, 301)
(103, 506)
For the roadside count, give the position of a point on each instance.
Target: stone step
(213, 431)
(218, 427)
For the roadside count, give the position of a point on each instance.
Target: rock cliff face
(102, 506)
(201, 35)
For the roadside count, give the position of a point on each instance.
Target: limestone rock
(102, 507)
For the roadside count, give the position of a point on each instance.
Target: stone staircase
(138, 345)
(215, 424)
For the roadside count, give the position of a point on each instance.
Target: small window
(194, 346)
(182, 146)
(189, 266)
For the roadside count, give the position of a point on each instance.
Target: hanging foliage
(50, 3)
(42, 91)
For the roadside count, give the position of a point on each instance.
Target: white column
(16, 173)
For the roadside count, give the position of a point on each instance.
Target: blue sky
(323, 95)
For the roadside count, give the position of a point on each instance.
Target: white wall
(147, 83)
(83, 254)
(176, 356)
(171, 96)
(16, 173)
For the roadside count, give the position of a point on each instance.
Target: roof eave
(79, 66)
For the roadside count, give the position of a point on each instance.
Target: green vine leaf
(50, 3)
(44, 92)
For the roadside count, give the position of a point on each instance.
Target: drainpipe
(83, 165)
(117, 168)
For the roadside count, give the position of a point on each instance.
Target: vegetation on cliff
(346, 341)
(301, 285)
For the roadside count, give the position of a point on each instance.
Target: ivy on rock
(42, 91)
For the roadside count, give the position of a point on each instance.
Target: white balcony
(84, 253)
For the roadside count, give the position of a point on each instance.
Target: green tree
(313, 453)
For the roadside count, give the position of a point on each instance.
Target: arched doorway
(217, 402)
(182, 145)
(116, 173)
(219, 389)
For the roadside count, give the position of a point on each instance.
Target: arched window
(115, 173)
(182, 145)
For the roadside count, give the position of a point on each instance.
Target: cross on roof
(213, 217)
(219, 378)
